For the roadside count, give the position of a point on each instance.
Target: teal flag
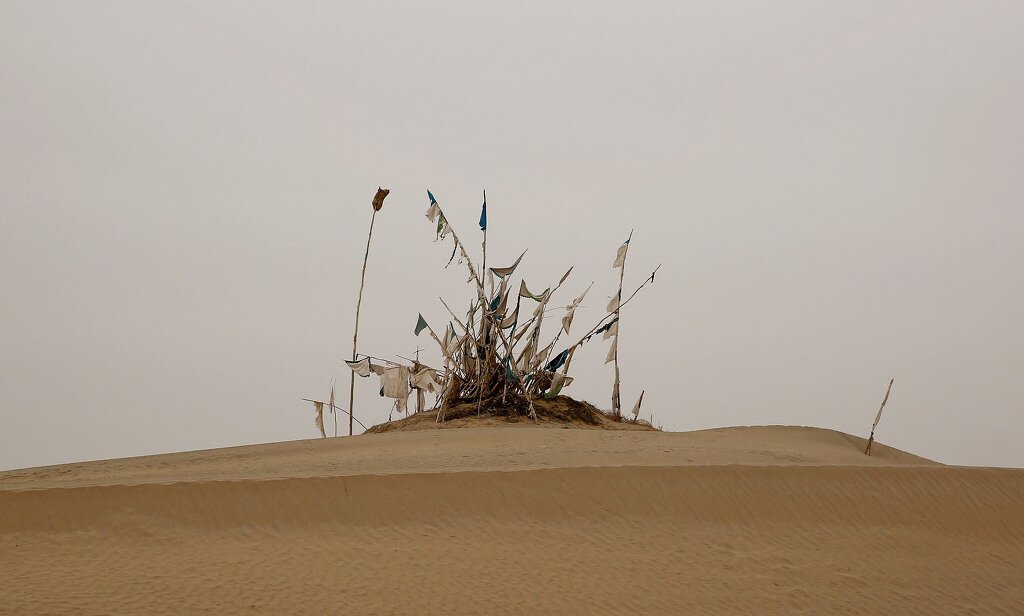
(483, 214)
(421, 324)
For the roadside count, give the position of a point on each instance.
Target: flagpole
(616, 404)
(483, 320)
(378, 202)
(483, 221)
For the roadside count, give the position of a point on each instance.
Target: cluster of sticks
(497, 348)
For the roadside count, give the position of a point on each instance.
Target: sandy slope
(517, 520)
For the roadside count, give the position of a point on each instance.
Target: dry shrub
(561, 408)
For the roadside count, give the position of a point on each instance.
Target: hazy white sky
(835, 190)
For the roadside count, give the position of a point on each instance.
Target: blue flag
(483, 214)
(433, 201)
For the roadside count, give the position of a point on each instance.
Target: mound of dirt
(562, 410)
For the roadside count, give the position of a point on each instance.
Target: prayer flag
(432, 212)
(483, 214)
(557, 362)
(442, 227)
(579, 300)
(557, 383)
(525, 292)
(502, 272)
(605, 327)
(620, 256)
(636, 407)
(512, 319)
(612, 351)
(567, 319)
(421, 324)
(360, 367)
(318, 408)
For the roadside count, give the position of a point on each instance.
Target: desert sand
(517, 520)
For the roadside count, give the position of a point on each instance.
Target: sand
(517, 520)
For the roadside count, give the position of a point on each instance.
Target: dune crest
(772, 520)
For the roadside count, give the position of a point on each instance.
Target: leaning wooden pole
(378, 202)
(878, 417)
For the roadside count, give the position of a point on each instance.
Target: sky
(834, 192)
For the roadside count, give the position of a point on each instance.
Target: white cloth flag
(360, 367)
(432, 212)
(426, 379)
(570, 310)
(538, 310)
(395, 382)
(567, 320)
(613, 305)
(560, 380)
(611, 331)
(318, 408)
(636, 407)
(579, 300)
(620, 256)
(612, 350)
(528, 353)
(510, 319)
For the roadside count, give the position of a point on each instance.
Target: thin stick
(871, 439)
(355, 334)
(444, 351)
(461, 324)
(331, 403)
(338, 408)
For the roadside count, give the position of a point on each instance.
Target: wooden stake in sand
(378, 202)
(330, 405)
(871, 439)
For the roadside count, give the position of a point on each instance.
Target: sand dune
(517, 520)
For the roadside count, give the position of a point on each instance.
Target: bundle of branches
(497, 350)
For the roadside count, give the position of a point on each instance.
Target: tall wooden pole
(378, 202)
(616, 394)
(483, 362)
